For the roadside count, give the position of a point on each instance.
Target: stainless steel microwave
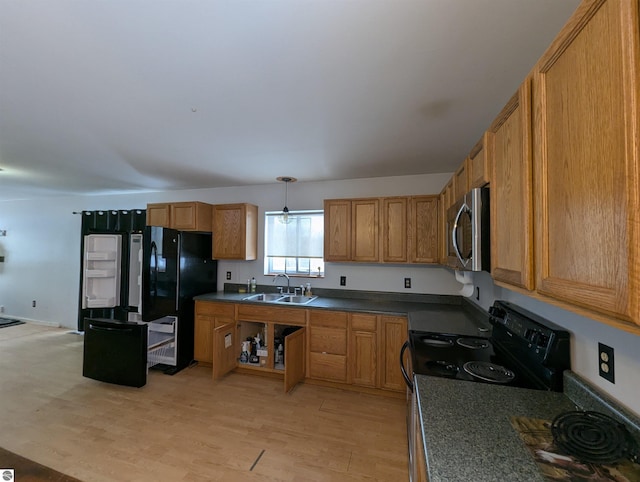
(468, 245)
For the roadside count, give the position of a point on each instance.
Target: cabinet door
(337, 230)
(509, 146)
(479, 164)
(235, 228)
(587, 160)
(363, 350)
(460, 182)
(294, 359)
(226, 347)
(191, 216)
(424, 228)
(203, 339)
(364, 230)
(159, 214)
(394, 334)
(394, 229)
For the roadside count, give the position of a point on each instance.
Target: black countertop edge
(232, 288)
(587, 397)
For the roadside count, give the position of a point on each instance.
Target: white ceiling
(111, 96)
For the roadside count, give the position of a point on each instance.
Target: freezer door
(115, 352)
(101, 271)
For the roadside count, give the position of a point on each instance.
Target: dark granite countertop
(467, 427)
(453, 307)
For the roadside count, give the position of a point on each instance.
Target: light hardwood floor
(187, 427)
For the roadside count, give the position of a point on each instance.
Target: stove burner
(593, 437)
(442, 368)
(473, 343)
(489, 372)
(436, 340)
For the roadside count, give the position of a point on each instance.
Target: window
(295, 247)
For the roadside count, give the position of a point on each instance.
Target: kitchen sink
(296, 299)
(280, 298)
(267, 297)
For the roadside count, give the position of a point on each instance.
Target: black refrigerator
(177, 266)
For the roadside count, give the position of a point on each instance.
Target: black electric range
(522, 349)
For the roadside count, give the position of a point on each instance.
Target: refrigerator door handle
(153, 285)
(178, 270)
(105, 328)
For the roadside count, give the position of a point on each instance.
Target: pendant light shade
(284, 217)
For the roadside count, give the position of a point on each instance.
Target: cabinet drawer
(329, 340)
(268, 313)
(210, 308)
(361, 322)
(334, 319)
(328, 366)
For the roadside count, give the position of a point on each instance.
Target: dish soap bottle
(253, 285)
(308, 292)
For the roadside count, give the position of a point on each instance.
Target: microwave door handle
(454, 234)
(407, 380)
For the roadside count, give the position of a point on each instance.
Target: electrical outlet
(1, 308)
(605, 362)
(33, 304)
(343, 281)
(407, 282)
(228, 275)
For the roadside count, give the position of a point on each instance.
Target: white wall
(585, 335)
(42, 246)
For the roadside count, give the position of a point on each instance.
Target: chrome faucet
(280, 287)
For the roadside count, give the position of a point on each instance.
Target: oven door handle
(407, 380)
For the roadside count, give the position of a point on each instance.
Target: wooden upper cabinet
(424, 229)
(460, 182)
(191, 216)
(479, 164)
(337, 230)
(183, 216)
(508, 143)
(587, 161)
(235, 231)
(364, 230)
(395, 224)
(159, 214)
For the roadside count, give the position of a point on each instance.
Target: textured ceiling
(138, 95)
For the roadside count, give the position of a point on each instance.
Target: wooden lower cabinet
(393, 333)
(209, 315)
(363, 350)
(328, 335)
(359, 349)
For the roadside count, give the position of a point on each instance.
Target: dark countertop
(426, 306)
(467, 430)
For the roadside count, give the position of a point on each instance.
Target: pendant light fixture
(284, 216)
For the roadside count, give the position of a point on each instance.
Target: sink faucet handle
(280, 288)
(295, 291)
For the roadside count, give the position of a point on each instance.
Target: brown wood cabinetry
(395, 226)
(227, 340)
(478, 164)
(183, 216)
(400, 229)
(460, 182)
(364, 230)
(423, 229)
(587, 161)
(328, 345)
(363, 350)
(209, 315)
(508, 143)
(393, 336)
(235, 231)
(337, 230)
